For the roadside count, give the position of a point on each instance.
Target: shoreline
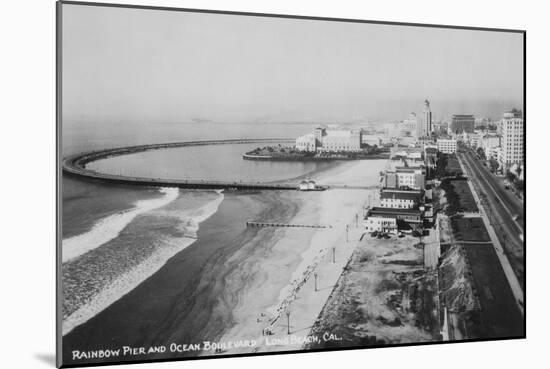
(335, 207)
(217, 288)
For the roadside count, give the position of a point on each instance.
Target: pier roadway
(76, 165)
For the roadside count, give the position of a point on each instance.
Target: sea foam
(110, 227)
(189, 221)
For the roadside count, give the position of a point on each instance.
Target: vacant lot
(384, 296)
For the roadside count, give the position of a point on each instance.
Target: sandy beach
(235, 281)
(284, 275)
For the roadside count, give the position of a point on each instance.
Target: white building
(381, 223)
(307, 185)
(474, 139)
(399, 199)
(489, 142)
(512, 139)
(493, 153)
(330, 140)
(340, 140)
(447, 146)
(306, 143)
(410, 177)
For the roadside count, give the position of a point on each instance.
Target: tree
(519, 184)
(494, 164)
(510, 176)
(480, 152)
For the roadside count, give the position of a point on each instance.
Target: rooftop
(405, 195)
(391, 211)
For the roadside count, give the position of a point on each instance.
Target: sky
(164, 66)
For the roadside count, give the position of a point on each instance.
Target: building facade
(399, 199)
(381, 223)
(306, 143)
(512, 139)
(447, 146)
(424, 129)
(406, 177)
(490, 141)
(325, 140)
(390, 220)
(462, 123)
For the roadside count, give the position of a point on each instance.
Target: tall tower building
(462, 123)
(512, 138)
(424, 128)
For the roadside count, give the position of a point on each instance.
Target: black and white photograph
(234, 184)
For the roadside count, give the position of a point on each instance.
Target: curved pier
(76, 165)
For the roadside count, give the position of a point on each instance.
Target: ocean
(147, 266)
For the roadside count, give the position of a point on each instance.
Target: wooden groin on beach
(264, 224)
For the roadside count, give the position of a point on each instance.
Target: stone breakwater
(76, 165)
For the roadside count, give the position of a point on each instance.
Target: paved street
(504, 209)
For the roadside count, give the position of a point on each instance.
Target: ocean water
(214, 162)
(115, 237)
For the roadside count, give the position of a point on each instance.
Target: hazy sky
(149, 65)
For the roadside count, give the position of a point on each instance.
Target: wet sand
(187, 300)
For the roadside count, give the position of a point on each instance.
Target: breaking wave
(110, 227)
(187, 221)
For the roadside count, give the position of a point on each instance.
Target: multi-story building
(326, 140)
(400, 199)
(447, 146)
(490, 141)
(462, 123)
(390, 180)
(406, 177)
(306, 143)
(389, 219)
(474, 139)
(380, 223)
(430, 156)
(512, 139)
(424, 128)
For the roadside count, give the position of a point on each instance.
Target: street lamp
(315, 276)
(288, 319)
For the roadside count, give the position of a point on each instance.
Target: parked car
(374, 234)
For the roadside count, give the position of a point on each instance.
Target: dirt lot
(384, 296)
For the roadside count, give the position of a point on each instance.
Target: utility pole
(347, 230)
(356, 220)
(315, 276)
(333, 254)
(288, 320)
